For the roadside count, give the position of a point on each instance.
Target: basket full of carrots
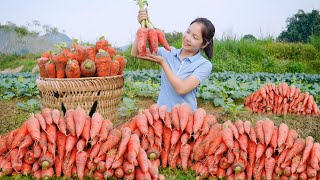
(90, 76)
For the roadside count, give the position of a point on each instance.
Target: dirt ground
(11, 117)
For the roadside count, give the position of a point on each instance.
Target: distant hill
(123, 48)
(56, 38)
(13, 43)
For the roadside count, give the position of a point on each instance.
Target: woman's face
(192, 38)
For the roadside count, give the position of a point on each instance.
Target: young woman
(182, 70)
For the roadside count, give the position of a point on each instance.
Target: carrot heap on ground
(281, 99)
(76, 145)
(149, 35)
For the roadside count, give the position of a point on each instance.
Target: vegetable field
(222, 95)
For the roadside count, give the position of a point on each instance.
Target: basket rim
(80, 79)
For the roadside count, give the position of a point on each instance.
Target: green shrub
(292, 51)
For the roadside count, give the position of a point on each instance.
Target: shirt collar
(192, 58)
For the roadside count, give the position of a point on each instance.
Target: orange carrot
(81, 144)
(162, 111)
(142, 36)
(199, 115)
(96, 124)
(243, 141)
(292, 136)
(88, 68)
(51, 69)
(95, 150)
(175, 136)
(259, 130)
(311, 172)
(295, 163)
(41, 120)
(175, 116)
(27, 141)
(129, 176)
(47, 114)
(268, 127)
(185, 151)
(143, 160)
(307, 149)
(150, 136)
(183, 112)
(117, 163)
(274, 139)
(142, 124)
(81, 160)
(303, 176)
(283, 134)
(162, 40)
(153, 40)
(253, 135)
(21, 133)
(114, 67)
(297, 147)
(103, 63)
(128, 167)
(240, 126)
(167, 133)
(113, 139)
(125, 137)
(72, 69)
(148, 115)
(102, 43)
(86, 130)
(141, 175)
(79, 116)
(42, 66)
(61, 144)
(51, 133)
(227, 137)
(167, 120)
(70, 122)
(122, 62)
(70, 143)
(189, 128)
(47, 173)
(261, 148)
(44, 142)
(314, 156)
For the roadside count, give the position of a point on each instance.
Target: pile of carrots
(73, 145)
(149, 35)
(76, 145)
(82, 61)
(281, 99)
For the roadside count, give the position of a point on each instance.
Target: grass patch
(14, 61)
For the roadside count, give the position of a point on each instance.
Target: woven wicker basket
(99, 94)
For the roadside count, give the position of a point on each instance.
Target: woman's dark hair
(208, 31)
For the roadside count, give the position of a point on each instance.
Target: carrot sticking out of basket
(81, 60)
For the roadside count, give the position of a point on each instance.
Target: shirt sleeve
(203, 71)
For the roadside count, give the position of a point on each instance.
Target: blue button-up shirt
(196, 65)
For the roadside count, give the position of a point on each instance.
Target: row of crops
(220, 88)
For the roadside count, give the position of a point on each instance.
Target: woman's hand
(153, 58)
(143, 15)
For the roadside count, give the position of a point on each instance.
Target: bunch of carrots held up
(75, 145)
(82, 61)
(149, 35)
(281, 99)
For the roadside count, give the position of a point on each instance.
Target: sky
(117, 19)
